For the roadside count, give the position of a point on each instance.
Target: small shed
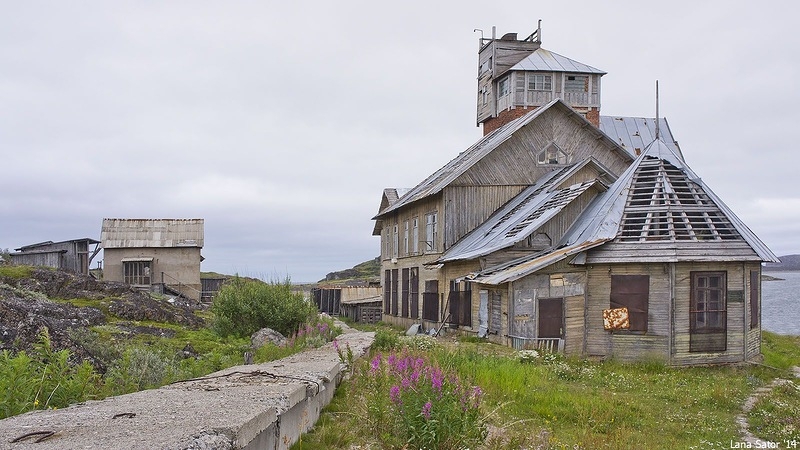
(74, 255)
(359, 303)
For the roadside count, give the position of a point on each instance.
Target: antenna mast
(657, 120)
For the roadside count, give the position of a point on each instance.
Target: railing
(553, 345)
(179, 286)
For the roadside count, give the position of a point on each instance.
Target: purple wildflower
(426, 410)
(336, 345)
(394, 394)
(375, 364)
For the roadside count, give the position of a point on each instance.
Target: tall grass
(549, 401)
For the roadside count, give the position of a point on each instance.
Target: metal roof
(604, 220)
(138, 233)
(521, 216)
(437, 181)
(545, 60)
(635, 133)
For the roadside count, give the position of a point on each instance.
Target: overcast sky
(280, 123)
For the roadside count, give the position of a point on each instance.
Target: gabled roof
(440, 179)
(522, 215)
(547, 61)
(658, 198)
(139, 233)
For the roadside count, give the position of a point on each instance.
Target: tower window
(502, 87)
(576, 83)
(540, 82)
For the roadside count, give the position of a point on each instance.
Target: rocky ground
(29, 304)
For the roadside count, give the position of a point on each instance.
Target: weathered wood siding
(567, 285)
(623, 345)
(667, 251)
(742, 341)
(467, 207)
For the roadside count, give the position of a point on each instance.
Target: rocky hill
(366, 271)
(34, 298)
(788, 263)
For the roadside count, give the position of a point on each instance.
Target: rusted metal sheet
(616, 319)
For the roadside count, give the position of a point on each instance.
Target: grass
(553, 402)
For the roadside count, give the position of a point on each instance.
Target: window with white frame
(405, 238)
(502, 87)
(395, 242)
(431, 232)
(539, 82)
(415, 235)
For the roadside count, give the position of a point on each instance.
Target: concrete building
(162, 255)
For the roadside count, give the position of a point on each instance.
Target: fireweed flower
(336, 345)
(426, 410)
(375, 364)
(394, 394)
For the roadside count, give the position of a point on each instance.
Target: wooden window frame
(431, 232)
(540, 82)
(755, 298)
(415, 235)
(504, 87)
(137, 273)
(708, 323)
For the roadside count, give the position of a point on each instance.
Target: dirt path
(741, 419)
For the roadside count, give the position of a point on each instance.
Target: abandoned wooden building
(565, 229)
(161, 255)
(74, 255)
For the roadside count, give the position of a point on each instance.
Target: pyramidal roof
(657, 199)
(545, 60)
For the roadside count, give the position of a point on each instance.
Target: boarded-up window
(755, 298)
(404, 281)
(708, 312)
(430, 301)
(576, 83)
(387, 291)
(414, 288)
(460, 308)
(632, 292)
(395, 286)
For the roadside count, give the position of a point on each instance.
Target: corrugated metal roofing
(138, 233)
(601, 221)
(520, 217)
(545, 60)
(466, 159)
(636, 133)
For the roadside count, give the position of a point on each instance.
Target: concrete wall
(263, 406)
(179, 264)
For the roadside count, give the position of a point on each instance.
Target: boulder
(264, 335)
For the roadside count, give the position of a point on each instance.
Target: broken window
(552, 154)
(136, 272)
(708, 312)
(431, 234)
(576, 83)
(632, 292)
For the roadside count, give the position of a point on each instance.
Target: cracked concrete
(244, 407)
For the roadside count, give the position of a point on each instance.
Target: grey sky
(280, 123)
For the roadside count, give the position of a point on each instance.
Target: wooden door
(551, 318)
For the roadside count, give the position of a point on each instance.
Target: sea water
(780, 303)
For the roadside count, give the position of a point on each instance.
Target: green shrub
(139, 368)
(243, 307)
(45, 379)
(385, 339)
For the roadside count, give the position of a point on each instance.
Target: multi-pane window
(502, 87)
(405, 237)
(537, 82)
(632, 292)
(387, 244)
(415, 235)
(431, 233)
(136, 272)
(552, 154)
(708, 311)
